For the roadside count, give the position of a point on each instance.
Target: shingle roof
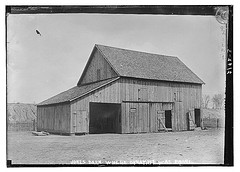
(76, 92)
(137, 64)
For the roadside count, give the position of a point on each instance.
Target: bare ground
(194, 147)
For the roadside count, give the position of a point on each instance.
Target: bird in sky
(38, 32)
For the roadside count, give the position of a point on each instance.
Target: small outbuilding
(126, 91)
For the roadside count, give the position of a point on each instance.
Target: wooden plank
(127, 118)
(153, 116)
(181, 119)
(156, 107)
(174, 117)
(127, 89)
(136, 118)
(123, 118)
(191, 119)
(52, 118)
(141, 110)
(111, 96)
(148, 118)
(144, 117)
(84, 121)
(129, 84)
(131, 118)
(114, 92)
(178, 116)
(161, 121)
(137, 125)
(132, 114)
(184, 107)
(123, 89)
(117, 92)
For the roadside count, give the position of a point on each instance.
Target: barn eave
(69, 100)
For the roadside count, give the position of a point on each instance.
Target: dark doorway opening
(197, 117)
(168, 119)
(105, 118)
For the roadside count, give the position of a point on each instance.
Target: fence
(213, 123)
(22, 126)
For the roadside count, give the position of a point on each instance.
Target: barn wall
(98, 62)
(107, 94)
(184, 96)
(143, 117)
(180, 97)
(54, 118)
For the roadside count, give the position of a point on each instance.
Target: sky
(39, 67)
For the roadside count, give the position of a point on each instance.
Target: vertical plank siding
(107, 94)
(135, 117)
(54, 118)
(183, 95)
(98, 63)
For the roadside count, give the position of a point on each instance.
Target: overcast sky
(42, 66)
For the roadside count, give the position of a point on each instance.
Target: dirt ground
(191, 147)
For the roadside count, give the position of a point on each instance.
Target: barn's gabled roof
(129, 63)
(76, 92)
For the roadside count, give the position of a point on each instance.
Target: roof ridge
(135, 51)
(141, 64)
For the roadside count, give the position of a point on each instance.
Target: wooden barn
(126, 91)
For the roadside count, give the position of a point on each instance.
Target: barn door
(80, 122)
(190, 119)
(104, 118)
(133, 120)
(160, 120)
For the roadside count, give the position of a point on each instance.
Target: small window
(178, 96)
(142, 94)
(175, 97)
(98, 74)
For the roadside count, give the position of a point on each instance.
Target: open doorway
(104, 118)
(197, 117)
(168, 119)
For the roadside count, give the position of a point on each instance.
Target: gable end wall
(98, 63)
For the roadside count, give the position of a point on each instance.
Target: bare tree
(218, 101)
(206, 99)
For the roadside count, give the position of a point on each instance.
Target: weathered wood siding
(143, 117)
(107, 94)
(98, 63)
(143, 102)
(54, 118)
(184, 97)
